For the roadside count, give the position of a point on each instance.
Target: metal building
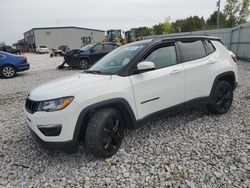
(53, 37)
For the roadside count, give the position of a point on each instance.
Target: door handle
(176, 71)
(211, 61)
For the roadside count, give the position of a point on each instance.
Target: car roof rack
(185, 37)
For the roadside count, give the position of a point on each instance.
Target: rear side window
(163, 57)
(98, 47)
(108, 47)
(209, 47)
(192, 50)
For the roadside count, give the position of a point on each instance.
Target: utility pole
(218, 14)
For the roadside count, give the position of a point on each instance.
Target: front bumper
(62, 139)
(68, 146)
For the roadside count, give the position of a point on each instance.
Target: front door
(160, 88)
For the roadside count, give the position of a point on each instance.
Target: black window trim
(181, 54)
(153, 48)
(203, 41)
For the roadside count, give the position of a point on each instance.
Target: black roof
(182, 37)
(66, 27)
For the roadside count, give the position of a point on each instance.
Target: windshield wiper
(93, 71)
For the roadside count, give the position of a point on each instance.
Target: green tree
(158, 29)
(236, 11)
(143, 31)
(192, 23)
(167, 26)
(244, 11)
(211, 22)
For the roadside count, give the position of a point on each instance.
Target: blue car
(11, 64)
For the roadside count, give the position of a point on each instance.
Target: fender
(222, 76)
(118, 103)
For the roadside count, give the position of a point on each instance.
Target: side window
(98, 47)
(163, 57)
(192, 50)
(209, 47)
(108, 47)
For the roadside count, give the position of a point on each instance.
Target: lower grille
(31, 106)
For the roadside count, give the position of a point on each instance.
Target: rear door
(160, 88)
(198, 65)
(107, 48)
(96, 53)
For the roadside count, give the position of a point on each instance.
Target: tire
(221, 98)
(84, 64)
(8, 71)
(104, 132)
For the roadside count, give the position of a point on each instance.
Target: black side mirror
(92, 50)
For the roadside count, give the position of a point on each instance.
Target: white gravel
(190, 149)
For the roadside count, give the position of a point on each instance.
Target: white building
(53, 37)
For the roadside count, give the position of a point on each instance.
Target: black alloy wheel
(104, 133)
(84, 64)
(222, 98)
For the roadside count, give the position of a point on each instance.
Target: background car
(42, 49)
(10, 49)
(85, 57)
(11, 64)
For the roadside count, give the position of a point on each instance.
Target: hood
(66, 86)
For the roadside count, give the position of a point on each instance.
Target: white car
(132, 83)
(42, 50)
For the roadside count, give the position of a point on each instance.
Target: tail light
(234, 58)
(25, 59)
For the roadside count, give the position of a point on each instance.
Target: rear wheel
(84, 64)
(221, 98)
(104, 132)
(8, 71)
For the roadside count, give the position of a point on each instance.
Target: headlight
(55, 105)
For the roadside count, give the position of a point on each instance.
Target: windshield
(88, 47)
(116, 60)
(43, 47)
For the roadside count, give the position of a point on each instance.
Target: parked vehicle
(85, 57)
(133, 83)
(56, 52)
(42, 50)
(11, 64)
(10, 49)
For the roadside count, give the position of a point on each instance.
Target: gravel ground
(189, 149)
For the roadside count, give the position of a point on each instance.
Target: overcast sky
(18, 16)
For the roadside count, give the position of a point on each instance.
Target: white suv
(132, 83)
(42, 50)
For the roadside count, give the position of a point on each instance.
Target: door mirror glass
(92, 50)
(145, 66)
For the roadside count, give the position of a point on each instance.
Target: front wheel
(221, 98)
(84, 64)
(104, 132)
(8, 71)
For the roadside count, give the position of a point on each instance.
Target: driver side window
(163, 57)
(98, 47)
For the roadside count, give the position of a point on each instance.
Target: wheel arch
(226, 76)
(9, 64)
(84, 57)
(118, 103)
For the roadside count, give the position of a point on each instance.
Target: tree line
(235, 12)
